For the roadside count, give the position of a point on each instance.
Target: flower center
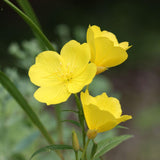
(64, 74)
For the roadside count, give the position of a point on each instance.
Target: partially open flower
(106, 52)
(58, 76)
(102, 113)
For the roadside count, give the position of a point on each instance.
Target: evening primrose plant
(58, 76)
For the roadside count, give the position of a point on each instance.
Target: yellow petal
(96, 30)
(97, 118)
(52, 95)
(98, 33)
(77, 83)
(90, 41)
(86, 98)
(109, 104)
(75, 56)
(123, 118)
(102, 113)
(110, 124)
(110, 36)
(107, 55)
(47, 65)
(104, 102)
(107, 126)
(124, 45)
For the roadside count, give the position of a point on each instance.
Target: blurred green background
(136, 82)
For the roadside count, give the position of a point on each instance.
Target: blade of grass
(32, 25)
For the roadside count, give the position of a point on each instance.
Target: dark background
(138, 79)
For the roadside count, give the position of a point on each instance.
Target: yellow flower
(102, 113)
(58, 76)
(105, 50)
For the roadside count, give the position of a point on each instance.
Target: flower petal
(44, 71)
(107, 55)
(110, 36)
(97, 118)
(107, 126)
(109, 104)
(96, 30)
(104, 103)
(77, 83)
(90, 41)
(99, 114)
(124, 45)
(123, 118)
(52, 95)
(75, 56)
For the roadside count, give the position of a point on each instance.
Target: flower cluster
(60, 75)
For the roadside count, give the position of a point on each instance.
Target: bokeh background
(136, 82)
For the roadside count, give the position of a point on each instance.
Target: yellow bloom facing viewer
(102, 113)
(58, 76)
(106, 52)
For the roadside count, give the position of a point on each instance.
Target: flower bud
(75, 142)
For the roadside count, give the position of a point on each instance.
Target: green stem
(59, 123)
(85, 149)
(33, 26)
(76, 155)
(81, 118)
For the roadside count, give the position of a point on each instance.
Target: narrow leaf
(73, 122)
(32, 25)
(110, 143)
(51, 148)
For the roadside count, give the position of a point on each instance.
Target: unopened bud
(75, 142)
(91, 134)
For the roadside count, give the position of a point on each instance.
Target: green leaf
(110, 143)
(73, 122)
(51, 148)
(11, 88)
(32, 25)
